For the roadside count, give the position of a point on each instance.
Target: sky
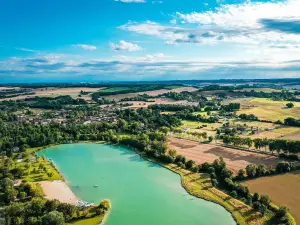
(139, 40)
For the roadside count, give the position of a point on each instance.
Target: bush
(189, 164)
(180, 164)
(167, 158)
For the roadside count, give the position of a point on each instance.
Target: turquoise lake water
(141, 192)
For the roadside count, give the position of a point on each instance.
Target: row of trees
(280, 146)
(231, 107)
(248, 117)
(254, 171)
(292, 122)
(185, 95)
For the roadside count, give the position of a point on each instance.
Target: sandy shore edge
(58, 190)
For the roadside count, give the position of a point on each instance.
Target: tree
(214, 182)
(282, 211)
(251, 170)
(105, 205)
(265, 200)
(241, 174)
(255, 197)
(290, 105)
(233, 194)
(189, 164)
(53, 218)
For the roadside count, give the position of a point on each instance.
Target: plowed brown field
(235, 159)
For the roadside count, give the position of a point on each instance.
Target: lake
(141, 192)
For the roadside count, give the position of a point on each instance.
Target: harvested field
(140, 104)
(54, 92)
(293, 136)
(118, 97)
(7, 88)
(282, 189)
(292, 86)
(266, 90)
(267, 109)
(235, 159)
(282, 132)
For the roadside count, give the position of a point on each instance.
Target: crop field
(266, 90)
(292, 136)
(266, 109)
(54, 92)
(7, 88)
(282, 189)
(235, 159)
(151, 93)
(282, 132)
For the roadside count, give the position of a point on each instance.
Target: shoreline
(218, 196)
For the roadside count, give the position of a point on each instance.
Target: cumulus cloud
(249, 23)
(171, 34)
(125, 46)
(86, 47)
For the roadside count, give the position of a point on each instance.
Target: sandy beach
(58, 190)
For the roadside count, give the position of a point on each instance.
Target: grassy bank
(90, 221)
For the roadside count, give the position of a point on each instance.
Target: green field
(114, 89)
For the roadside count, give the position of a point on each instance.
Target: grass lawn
(38, 170)
(91, 221)
(195, 125)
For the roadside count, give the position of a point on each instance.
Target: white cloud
(155, 57)
(86, 47)
(131, 1)
(26, 50)
(250, 23)
(125, 46)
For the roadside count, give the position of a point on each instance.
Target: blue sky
(101, 40)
